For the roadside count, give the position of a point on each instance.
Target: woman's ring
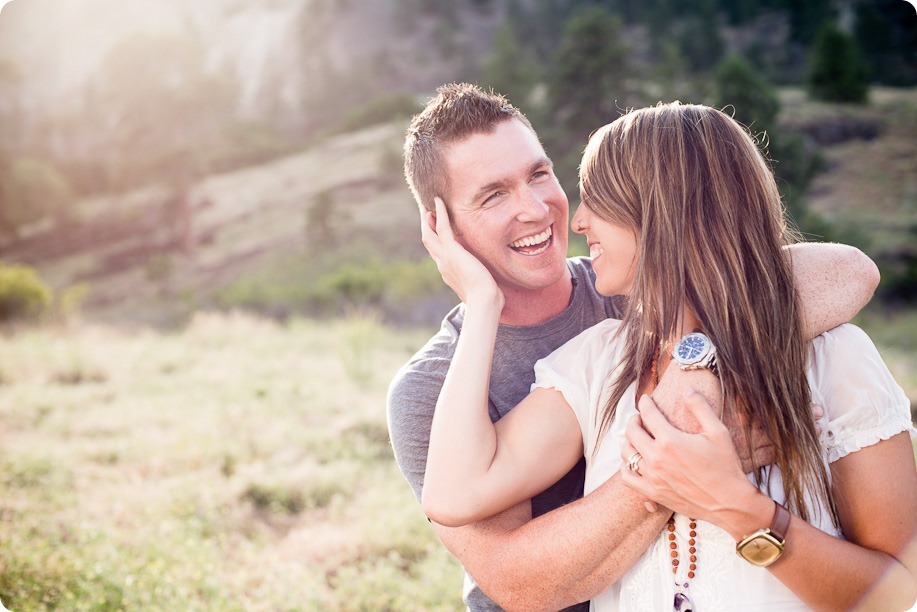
(633, 464)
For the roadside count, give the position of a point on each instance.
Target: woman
(681, 212)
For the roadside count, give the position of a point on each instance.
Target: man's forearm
(566, 556)
(833, 281)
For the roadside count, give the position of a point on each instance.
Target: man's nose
(531, 206)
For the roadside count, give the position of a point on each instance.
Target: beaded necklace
(682, 602)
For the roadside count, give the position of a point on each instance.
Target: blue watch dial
(691, 348)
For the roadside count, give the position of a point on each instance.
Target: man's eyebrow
(488, 188)
(544, 161)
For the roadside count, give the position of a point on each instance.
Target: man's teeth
(532, 240)
(595, 250)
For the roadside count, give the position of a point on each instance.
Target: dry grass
(236, 464)
(869, 183)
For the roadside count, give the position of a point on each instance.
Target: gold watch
(765, 546)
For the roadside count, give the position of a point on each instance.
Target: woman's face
(613, 249)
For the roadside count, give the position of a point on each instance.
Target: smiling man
(482, 157)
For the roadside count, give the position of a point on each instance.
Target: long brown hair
(693, 186)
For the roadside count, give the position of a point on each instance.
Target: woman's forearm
(826, 572)
(462, 438)
(875, 488)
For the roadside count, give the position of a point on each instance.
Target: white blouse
(863, 405)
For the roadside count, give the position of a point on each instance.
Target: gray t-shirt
(413, 392)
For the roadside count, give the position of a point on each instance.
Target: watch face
(761, 550)
(691, 348)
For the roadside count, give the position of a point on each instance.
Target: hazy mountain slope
(153, 246)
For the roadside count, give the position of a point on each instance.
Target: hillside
(870, 175)
(155, 249)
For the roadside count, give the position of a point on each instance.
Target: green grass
(237, 464)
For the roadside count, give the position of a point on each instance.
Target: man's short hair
(458, 111)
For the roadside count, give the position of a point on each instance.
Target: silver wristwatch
(695, 351)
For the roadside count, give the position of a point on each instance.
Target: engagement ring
(633, 464)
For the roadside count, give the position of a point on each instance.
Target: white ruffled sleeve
(863, 403)
(579, 369)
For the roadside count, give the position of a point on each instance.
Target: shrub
(400, 290)
(70, 301)
(30, 189)
(275, 499)
(23, 295)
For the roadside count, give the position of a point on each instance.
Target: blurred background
(210, 265)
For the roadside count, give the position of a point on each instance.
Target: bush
(23, 295)
(399, 290)
(30, 189)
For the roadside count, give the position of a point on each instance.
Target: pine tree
(756, 105)
(753, 98)
(837, 72)
(508, 69)
(700, 38)
(807, 17)
(886, 31)
(590, 71)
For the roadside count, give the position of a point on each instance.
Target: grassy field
(236, 464)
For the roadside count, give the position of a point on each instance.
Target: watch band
(781, 522)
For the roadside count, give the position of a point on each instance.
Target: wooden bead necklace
(682, 602)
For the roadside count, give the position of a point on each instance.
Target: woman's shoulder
(594, 347)
(863, 403)
(599, 337)
(843, 336)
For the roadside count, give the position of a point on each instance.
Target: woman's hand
(698, 474)
(461, 270)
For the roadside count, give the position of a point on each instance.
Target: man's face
(507, 207)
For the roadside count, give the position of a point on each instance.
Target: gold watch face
(761, 549)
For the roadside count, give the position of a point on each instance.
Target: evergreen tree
(537, 23)
(886, 31)
(700, 38)
(795, 163)
(754, 99)
(807, 17)
(508, 69)
(837, 72)
(590, 72)
(740, 11)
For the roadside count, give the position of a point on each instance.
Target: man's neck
(536, 306)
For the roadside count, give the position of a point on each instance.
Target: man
(482, 157)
